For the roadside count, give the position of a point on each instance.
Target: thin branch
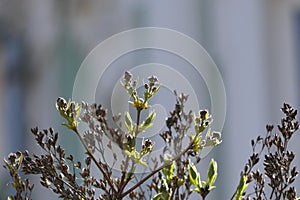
(154, 172)
(138, 122)
(107, 178)
(125, 181)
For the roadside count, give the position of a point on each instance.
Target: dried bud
(269, 128)
(130, 141)
(61, 103)
(72, 105)
(183, 97)
(127, 76)
(203, 114)
(147, 146)
(153, 79)
(216, 135)
(146, 86)
(12, 157)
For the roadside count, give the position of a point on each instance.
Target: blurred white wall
(240, 49)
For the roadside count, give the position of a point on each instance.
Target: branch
(137, 122)
(154, 172)
(107, 178)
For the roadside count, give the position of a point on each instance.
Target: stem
(124, 175)
(273, 189)
(107, 178)
(143, 180)
(233, 196)
(125, 181)
(128, 178)
(154, 172)
(138, 121)
(173, 193)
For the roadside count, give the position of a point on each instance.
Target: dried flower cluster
(278, 175)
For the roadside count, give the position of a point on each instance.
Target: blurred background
(255, 44)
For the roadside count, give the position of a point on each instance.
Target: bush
(173, 176)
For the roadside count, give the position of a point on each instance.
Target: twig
(154, 172)
(107, 178)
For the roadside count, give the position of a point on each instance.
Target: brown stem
(154, 172)
(128, 178)
(123, 175)
(173, 193)
(137, 122)
(107, 178)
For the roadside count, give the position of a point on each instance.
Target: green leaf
(168, 171)
(161, 196)
(77, 111)
(211, 173)
(194, 176)
(148, 122)
(135, 157)
(164, 190)
(241, 187)
(208, 133)
(196, 143)
(128, 122)
(157, 197)
(70, 111)
(172, 168)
